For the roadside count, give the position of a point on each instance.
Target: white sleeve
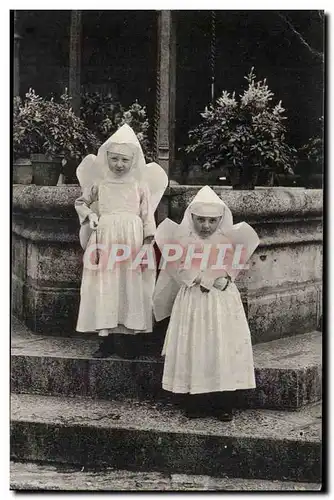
(146, 212)
(83, 203)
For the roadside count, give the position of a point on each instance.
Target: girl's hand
(221, 283)
(143, 266)
(148, 240)
(93, 221)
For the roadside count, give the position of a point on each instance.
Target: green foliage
(45, 126)
(245, 132)
(103, 114)
(311, 154)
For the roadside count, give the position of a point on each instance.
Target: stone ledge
(138, 436)
(262, 202)
(48, 230)
(268, 203)
(39, 199)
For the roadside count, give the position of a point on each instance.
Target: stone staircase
(102, 420)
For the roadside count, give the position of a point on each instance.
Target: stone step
(31, 476)
(141, 436)
(288, 371)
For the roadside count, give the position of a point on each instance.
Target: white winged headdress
(93, 170)
(206, 203)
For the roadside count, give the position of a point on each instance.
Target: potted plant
(311, 161)
(22, 168)
(243, 136)
(136, 117)
(54, 133)
(101, 113)
(104, 114)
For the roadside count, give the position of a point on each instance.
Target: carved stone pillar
(16, 62)
(165, 105)
(75, 60)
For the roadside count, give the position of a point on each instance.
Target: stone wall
(281, 290)
(47, 257)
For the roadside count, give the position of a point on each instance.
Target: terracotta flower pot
(243, 178)
(46, 170)
(22, 171)
(69, 172)
(198, 176)
(289, 180)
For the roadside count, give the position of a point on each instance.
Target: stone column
(75, 60)
(16, 64)
(47, 258)
(165, 105)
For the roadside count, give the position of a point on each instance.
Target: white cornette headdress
(208, 204)
(93, 169)
(125, 137)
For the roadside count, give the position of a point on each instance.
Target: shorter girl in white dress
(207, 349)
(116, 299)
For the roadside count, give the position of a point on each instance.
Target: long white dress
(115, 298)
(208, 343)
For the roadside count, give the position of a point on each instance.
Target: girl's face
(119, 163)
(205, 226)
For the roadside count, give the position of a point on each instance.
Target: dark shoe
(130, 347)
(193, 413)
(223, 415)
(99, 353)
(195, 406)
(105, 349)
(221, 405)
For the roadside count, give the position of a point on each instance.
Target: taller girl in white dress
(114, 298)
(207, 349)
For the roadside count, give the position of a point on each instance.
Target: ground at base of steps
(30, 476)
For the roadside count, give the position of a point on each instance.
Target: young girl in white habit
(114, 298)
(207, 349)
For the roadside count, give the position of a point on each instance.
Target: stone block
(111, 379)
(19, 257)
(309, 385)
(54, 265)
(51, 310)
(18, 297)
(58, 376)
(290, 311)
(116, 379)
(282, 265)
